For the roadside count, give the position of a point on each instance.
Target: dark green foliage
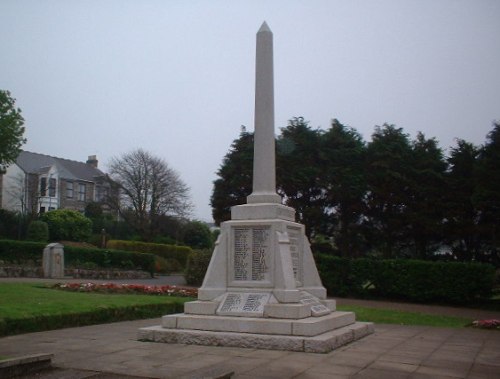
(18, 252)
(197, 265)
(393, 197)
(67, 225)
(487, 196)
(197, 235)
(342, 276)
(299, 173)
(461, 227)
(234, 181)
(11, 129)
(409, 280)
(389, 185)
(38, 231)
(168, 252)
(107, 258)
(343, 157)
(21, 251)
(100, 316)
(424, 281)
(8, 224)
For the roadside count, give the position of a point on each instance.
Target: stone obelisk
(264, 162)
(262, 288)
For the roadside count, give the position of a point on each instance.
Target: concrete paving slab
(391, 352)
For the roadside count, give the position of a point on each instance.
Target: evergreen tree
(462, 217)
(425, 202)
(299, 174)
(342, 155)
(235, 178)
(388, 164)
(487, 196)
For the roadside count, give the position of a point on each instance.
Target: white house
(37, 183)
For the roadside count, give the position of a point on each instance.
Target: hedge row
(411, 280)
(99, 316)
(23, 251)
(168, 252)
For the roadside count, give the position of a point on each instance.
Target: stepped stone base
(311, 334)
(322, 343)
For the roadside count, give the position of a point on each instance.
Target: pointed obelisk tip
(264, 28)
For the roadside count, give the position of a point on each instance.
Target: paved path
(393, 352)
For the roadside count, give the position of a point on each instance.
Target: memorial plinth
(262, 288)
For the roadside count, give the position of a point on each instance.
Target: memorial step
(322, 343)
(310, 326)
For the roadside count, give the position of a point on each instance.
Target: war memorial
(262, 288)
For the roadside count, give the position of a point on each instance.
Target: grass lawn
(27, 307)
(21, 300)
(387, 316)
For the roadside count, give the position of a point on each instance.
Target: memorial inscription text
(251, 253)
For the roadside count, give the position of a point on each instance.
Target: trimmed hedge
(410, 280)
(108, 258)
(22, 251)
(103, 315)
(168, 252)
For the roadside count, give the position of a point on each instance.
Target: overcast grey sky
(176, 78)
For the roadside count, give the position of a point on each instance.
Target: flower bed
(487, 324)
(128, 288)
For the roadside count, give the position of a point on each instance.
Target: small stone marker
(53, 261)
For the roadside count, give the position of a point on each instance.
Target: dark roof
(34, 163)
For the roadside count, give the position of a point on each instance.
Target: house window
(42, 209)
(101, 194)
(52, 187)
(69, 190)
(43, 186)
(81, 192)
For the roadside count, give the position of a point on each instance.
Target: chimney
(92, 161)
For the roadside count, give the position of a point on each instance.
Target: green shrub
(410, 280)
(38, 231)
(8, 224)
(197, 265)
(67, 225)
(168, 252)
(197, 235)
(166, 266)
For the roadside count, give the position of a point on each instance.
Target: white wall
(13, 188)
